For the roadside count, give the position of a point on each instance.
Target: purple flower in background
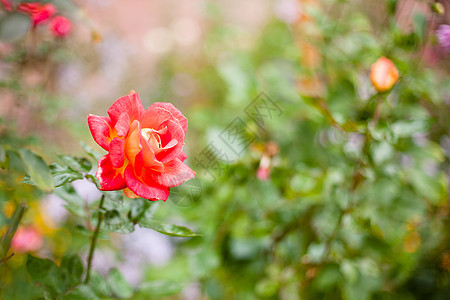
(443, 35)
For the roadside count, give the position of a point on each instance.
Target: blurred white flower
(287, 11)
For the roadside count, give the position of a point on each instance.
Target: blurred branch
(9, 234)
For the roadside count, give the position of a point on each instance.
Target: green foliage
(53, 280)
(168, 229)
(356, 204)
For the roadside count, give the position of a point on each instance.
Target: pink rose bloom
(38, 11)
(144, 147)
(26, 239)
(60, 26)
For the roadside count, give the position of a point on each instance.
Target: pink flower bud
(60, 26)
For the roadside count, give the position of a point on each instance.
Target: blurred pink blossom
(60, 26)
(39, 12)
(7, 5)
(26, 239)
(263, 172)
(443, 35)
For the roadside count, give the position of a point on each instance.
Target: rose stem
(377, 113)
(94, 240)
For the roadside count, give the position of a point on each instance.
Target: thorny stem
(94, 240)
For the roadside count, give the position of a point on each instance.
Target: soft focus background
(304, 189)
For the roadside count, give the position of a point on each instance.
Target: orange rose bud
(383, 74)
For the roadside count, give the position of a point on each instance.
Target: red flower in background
(38, 12)
(60, 26)
(7, 5)
(27, 239)
(145, 148)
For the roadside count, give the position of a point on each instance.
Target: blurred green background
(299, 194)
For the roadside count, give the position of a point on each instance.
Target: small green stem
(377, 113)
(94, 240)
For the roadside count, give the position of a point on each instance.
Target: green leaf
(93, 179)
(72, 270)
(119, 285)
(94, 154)
(37, 169)
(114, 196)
(45, 273)
(74, 203)
(138, 208)
(61, 176)
(160, 288)
(168, 229)
(82, 292)
(81, 165)
(100, 285)
(67, 176)
(114, 222)
(14, 26)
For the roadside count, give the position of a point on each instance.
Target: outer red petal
(110, 178)
(116, 152)
(147, 190)
(130, 104)
(155, 116)
(175, 173)
(100, 130)
(175, 113)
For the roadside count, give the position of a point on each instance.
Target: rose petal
(100, 129)
(147, 190)
(129, 193)
(131, 104)
(116, 152)
(133, 141)
(171, 149)
(149, 158)
(109, 177)
(182, 156)
(175, 173)
(123, 125)
(153, 117)
(175, 113)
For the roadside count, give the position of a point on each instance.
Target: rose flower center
(152, 136)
